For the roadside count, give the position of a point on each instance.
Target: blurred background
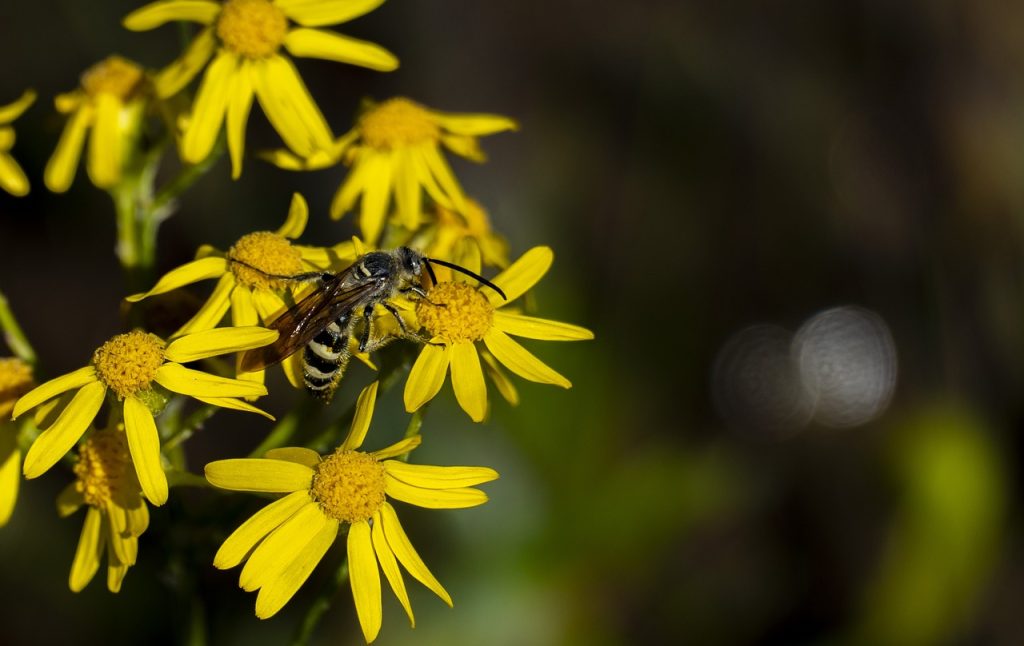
(796, 231)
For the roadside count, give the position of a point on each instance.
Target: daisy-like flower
(111, 101)
(244, 38)
(117, 514)
(12, 178)
(458, 316)
(450, 235)
(285, 540)
(15, 381)
(395, 149)
(129, 367)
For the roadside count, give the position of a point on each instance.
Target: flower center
(113, 75)
(104, 469)
(455, 312)
(349, 486)
(264, 253)
(252, 28)
(15, 381)
(396, 123)
(128, 362)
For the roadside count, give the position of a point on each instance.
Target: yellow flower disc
(252, 28)
(264, 253)
(396, 123)
(15, 381)
(104, 469)
(455, 312)
(113, 75)
(349, 486)
(128, 363)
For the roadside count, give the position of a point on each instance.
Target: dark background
(698, 167)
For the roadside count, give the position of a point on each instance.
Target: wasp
(341, 308)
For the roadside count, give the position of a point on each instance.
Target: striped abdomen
(325, 358)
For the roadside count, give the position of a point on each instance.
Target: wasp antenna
(430, 272)
(463, 270)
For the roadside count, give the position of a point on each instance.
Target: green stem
(185, 178)
(320, 605)
(13, 334)
(127, 239)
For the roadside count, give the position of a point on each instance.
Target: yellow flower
(117, 514)
(244, 38)
(130, 366)
(451, 236)
(284, 541)
(395, 148)
(111, 101)
(15, 381)
(12, 178)
(458, 316)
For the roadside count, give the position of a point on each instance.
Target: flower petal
(240, 543)
(442, 172)
(210, 107)
(189, 273)
(297, 454)
(427, 375)
(12, 178)
(104, 161)
(534, 328)
(282, 546)
(275, 593)
(268, 305)
(54, 443)
(144, 444)
(500, 379)
(239, 104)
(116, 570)
(431, 477)
(455, 498)
(138, 518)
(179, 379)
(327, 45)
(212, 311)
(10, 472)
(298, 216)
(317, 13)
(355, 183)
(87, 554)
(365, 579)
(289, 106)
(69, 500)
(408, 193)
(12, 111)
(398, 448)
(468, 380)
(523, 274)
(361, 420)
(125, 548)
(60, 169)
(257, 474)
(519, 360)
(157, 13)
(224, 340)
(465, 123)
(235, 404)
(390, 566)
(47, 391)
(406, 553)
(464, 146)
(373, 210)
(178, 74)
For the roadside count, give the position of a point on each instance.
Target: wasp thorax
(114, 75)
(104, 470)
(396, 123)
(264, 253)
(456, 312)
(127, 363)
(252, 28)
(349, 486)
(15, 381)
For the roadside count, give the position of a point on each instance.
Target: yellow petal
(289, 107)
(178, 74)
(408, 194)
(212, 311)
(500, 379)
(138, 518)
(87, 555)
(464, 146)
(255, 474)
(361, 420)
(297, 454)
(427, 376)
(373, 210)
(275, 593)
(523, 274)
(292, 367)
(535, 328)
(442, 172)
(224, 340)
(104, 162)
(68, 102)
(317, 13)
(519, 360)
(268, 305)
(455, 498)
(69, 500)
(240, 543)
(190, 272)
(144, 444)
(235, 404)
(125, 548)
(12, 178)
(116, 570)
(398, 448)
(406, 554)
(421, 168)
(390, 566)
(179, 379)
(239, 104)
(475, 124)
(280, 548)
(10, 472)
(298, 216)
(431, 477)
(60, 170)
(314, 43)
(157, 13)
(468, 380)
(210, 107)
(355, 183)
(54, 443)
(365, 579)
(50, 389)
(12, 111)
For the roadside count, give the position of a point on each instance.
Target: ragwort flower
(15, 381)
(458, 315)
(449, 235)
(12, 178)
(285, 540)
(111, 101)
(244, 38)
(117, 515)
(130, 366)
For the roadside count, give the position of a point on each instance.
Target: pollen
(349, 486)
(396, 123)
(455, 312)
(252, 28)
(113, 75)
(15, 381)
(128, 362)
(104, 469)
(264, 255)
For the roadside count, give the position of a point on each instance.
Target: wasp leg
(364, 338)
(422, 294)
(306, 277)
(398, 317)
